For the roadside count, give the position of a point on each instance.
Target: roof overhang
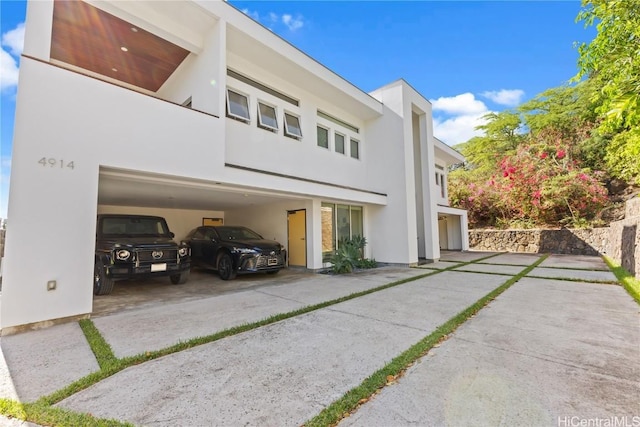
(446, 153)
(136, 42)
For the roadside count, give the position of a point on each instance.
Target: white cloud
(465, 103)
(292, 23)
(456, 118)
(271, 19)
(8, 71)
(253, 14)
(14, 39)
(458, 129)
(508, 97)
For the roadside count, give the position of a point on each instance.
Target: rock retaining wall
(620, 241)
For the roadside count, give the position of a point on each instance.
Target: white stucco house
(192, 110)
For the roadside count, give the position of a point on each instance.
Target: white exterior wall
(201, 76)
(404, 101)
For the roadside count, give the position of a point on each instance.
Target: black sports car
(231, 250)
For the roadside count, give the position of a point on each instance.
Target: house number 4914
(56, 163)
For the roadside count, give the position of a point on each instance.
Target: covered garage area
(187, 204)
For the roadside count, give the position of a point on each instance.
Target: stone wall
(620, 241)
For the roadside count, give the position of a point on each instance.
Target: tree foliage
(611, 62)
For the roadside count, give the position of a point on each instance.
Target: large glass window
(323, 137)
(267, 116)
(339, 223)
(237, 105)
(339, 143)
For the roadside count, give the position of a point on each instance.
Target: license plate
(158, 267)
(272, 261)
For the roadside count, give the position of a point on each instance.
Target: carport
(186, 204)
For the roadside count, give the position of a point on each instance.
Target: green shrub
(350, 255)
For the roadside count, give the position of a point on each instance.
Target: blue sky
(468, 58)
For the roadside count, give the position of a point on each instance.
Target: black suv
(136, 246)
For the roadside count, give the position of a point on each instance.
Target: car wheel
(225, 267)
(180, 278)
(273, 272)
(102, 285)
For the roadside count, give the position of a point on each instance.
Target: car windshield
(237, 233)
(124, 226)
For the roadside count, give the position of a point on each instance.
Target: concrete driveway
(562, 342)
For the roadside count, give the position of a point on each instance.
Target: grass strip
(50, 416)
(574, 279)
(100, 347)
(333, 413)
(629, 282)
(551, 267)
(485, 272)
(42, 411)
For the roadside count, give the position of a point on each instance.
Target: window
(237, 105)
(323, 137)
(292, 126)
(267, 116)
(355, 153)
(339, 223)
(437, 178)
(339, 143)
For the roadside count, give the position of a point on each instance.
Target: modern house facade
(192, 111)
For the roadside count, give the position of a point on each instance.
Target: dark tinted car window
(198, 233)
(237, 233)
(134, 226)
(210, 234)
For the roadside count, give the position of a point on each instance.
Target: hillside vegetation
(560, 158)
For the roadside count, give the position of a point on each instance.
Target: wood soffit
(89, 38)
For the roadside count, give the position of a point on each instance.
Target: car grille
(167, 255)
(263, 260)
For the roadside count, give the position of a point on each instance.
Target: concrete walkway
(546, 348)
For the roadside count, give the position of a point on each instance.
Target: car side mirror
(172, 234)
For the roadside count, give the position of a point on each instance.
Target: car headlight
(245, 250)
(123, 255)
(183, 251)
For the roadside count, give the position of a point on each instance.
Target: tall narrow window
(237, 105)
(339, 143)
(292, 126)
(355, 152)
(327, 217)
(323, 137)
(267, 116)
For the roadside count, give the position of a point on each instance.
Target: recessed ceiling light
(134, 29)
(124, 49)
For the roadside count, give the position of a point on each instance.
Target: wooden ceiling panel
(90, 38)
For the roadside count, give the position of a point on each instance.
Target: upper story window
(267, 117)
(292, 126)
(339, 143)
(355, 148)
(237, 105)
(323, 137)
